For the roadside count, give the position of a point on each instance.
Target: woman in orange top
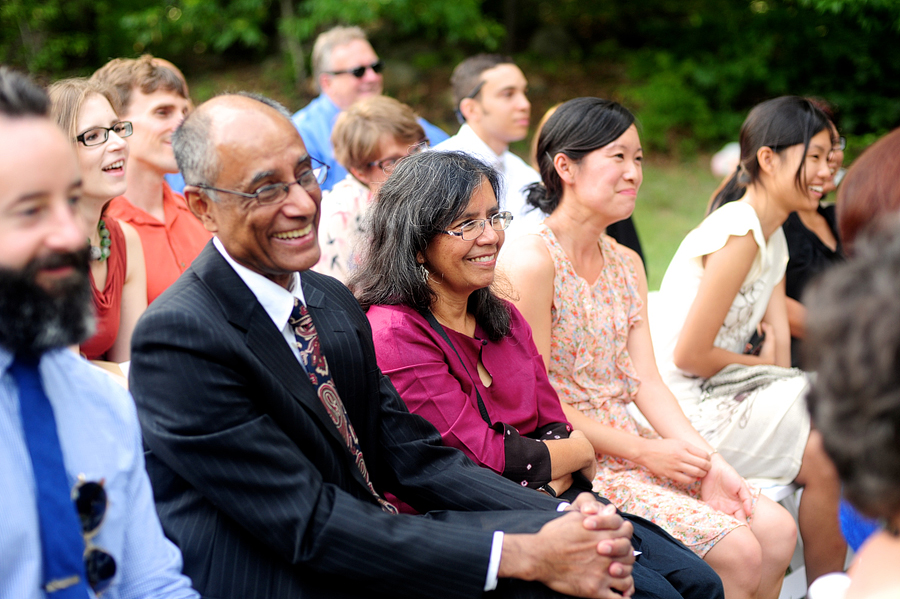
(86, 112)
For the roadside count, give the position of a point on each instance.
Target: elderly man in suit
(273, 437)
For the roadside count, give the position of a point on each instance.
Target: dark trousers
(666, 568)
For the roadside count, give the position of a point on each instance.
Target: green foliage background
(690, 69)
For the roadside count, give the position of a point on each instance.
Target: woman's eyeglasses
(471, 230)
(90, 502)
(98, 135)
(358, 72)
(389, 164)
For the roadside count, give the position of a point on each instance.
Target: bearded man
(78, 517)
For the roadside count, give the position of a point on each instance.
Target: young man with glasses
(154, 99)
(77, 508)
(345, 69)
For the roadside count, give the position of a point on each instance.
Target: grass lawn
(671, 202)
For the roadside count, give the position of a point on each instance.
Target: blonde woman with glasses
(370, 138)
(86, 112)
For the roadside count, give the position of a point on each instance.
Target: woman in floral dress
(585, 299)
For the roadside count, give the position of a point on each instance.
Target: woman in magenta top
(464, 359)
(442, 335)
(436, 384)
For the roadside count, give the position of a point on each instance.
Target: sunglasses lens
(358, 72)
(378, 66)
(91, 506)
(101, 567)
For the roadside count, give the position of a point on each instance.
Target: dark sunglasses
(358, 72)
(90, 502)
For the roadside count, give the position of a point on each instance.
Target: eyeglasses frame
(99, 564)
(360, 71)
(416, 148)
(106, 131)
(320, 174)
(504, 216)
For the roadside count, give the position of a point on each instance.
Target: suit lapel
(245, 313)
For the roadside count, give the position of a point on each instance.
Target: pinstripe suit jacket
(252, 480)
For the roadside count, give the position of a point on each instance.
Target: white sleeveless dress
(762, 433)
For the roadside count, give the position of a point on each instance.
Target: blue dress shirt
(100, 439)
(315, 122)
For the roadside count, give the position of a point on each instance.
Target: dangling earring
(423, 273)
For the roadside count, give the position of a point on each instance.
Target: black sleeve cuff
(527, 458)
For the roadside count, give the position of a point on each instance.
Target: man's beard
(34, 319)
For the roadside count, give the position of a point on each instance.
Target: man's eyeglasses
(99, 135)
(389, 164)
(90, 502)
(310, 180)
(358, 72)
(471, 230)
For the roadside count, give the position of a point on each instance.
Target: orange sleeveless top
(108, 303)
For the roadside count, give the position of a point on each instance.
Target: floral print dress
(591, 370)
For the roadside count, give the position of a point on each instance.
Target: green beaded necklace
(100, 254)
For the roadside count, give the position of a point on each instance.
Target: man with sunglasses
(345, 69)
(273, 438)
(154, 98)
(76, 511)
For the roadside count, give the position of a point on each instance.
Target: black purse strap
(437, 327)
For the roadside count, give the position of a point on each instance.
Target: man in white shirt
(491, 102)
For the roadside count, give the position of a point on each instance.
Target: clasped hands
(586, 552)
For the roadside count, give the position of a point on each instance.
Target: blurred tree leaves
(51, 36)
(689, 68)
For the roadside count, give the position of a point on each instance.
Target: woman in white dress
(723, 290)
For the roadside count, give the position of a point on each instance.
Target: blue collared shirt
(100, 438)
(315, 122)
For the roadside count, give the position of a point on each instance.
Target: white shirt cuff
(497, 549)
(494, 564)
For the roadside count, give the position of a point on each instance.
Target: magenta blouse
(431, 380)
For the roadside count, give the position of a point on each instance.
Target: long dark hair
(778, 124)
(577, 128)
(421, 198)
